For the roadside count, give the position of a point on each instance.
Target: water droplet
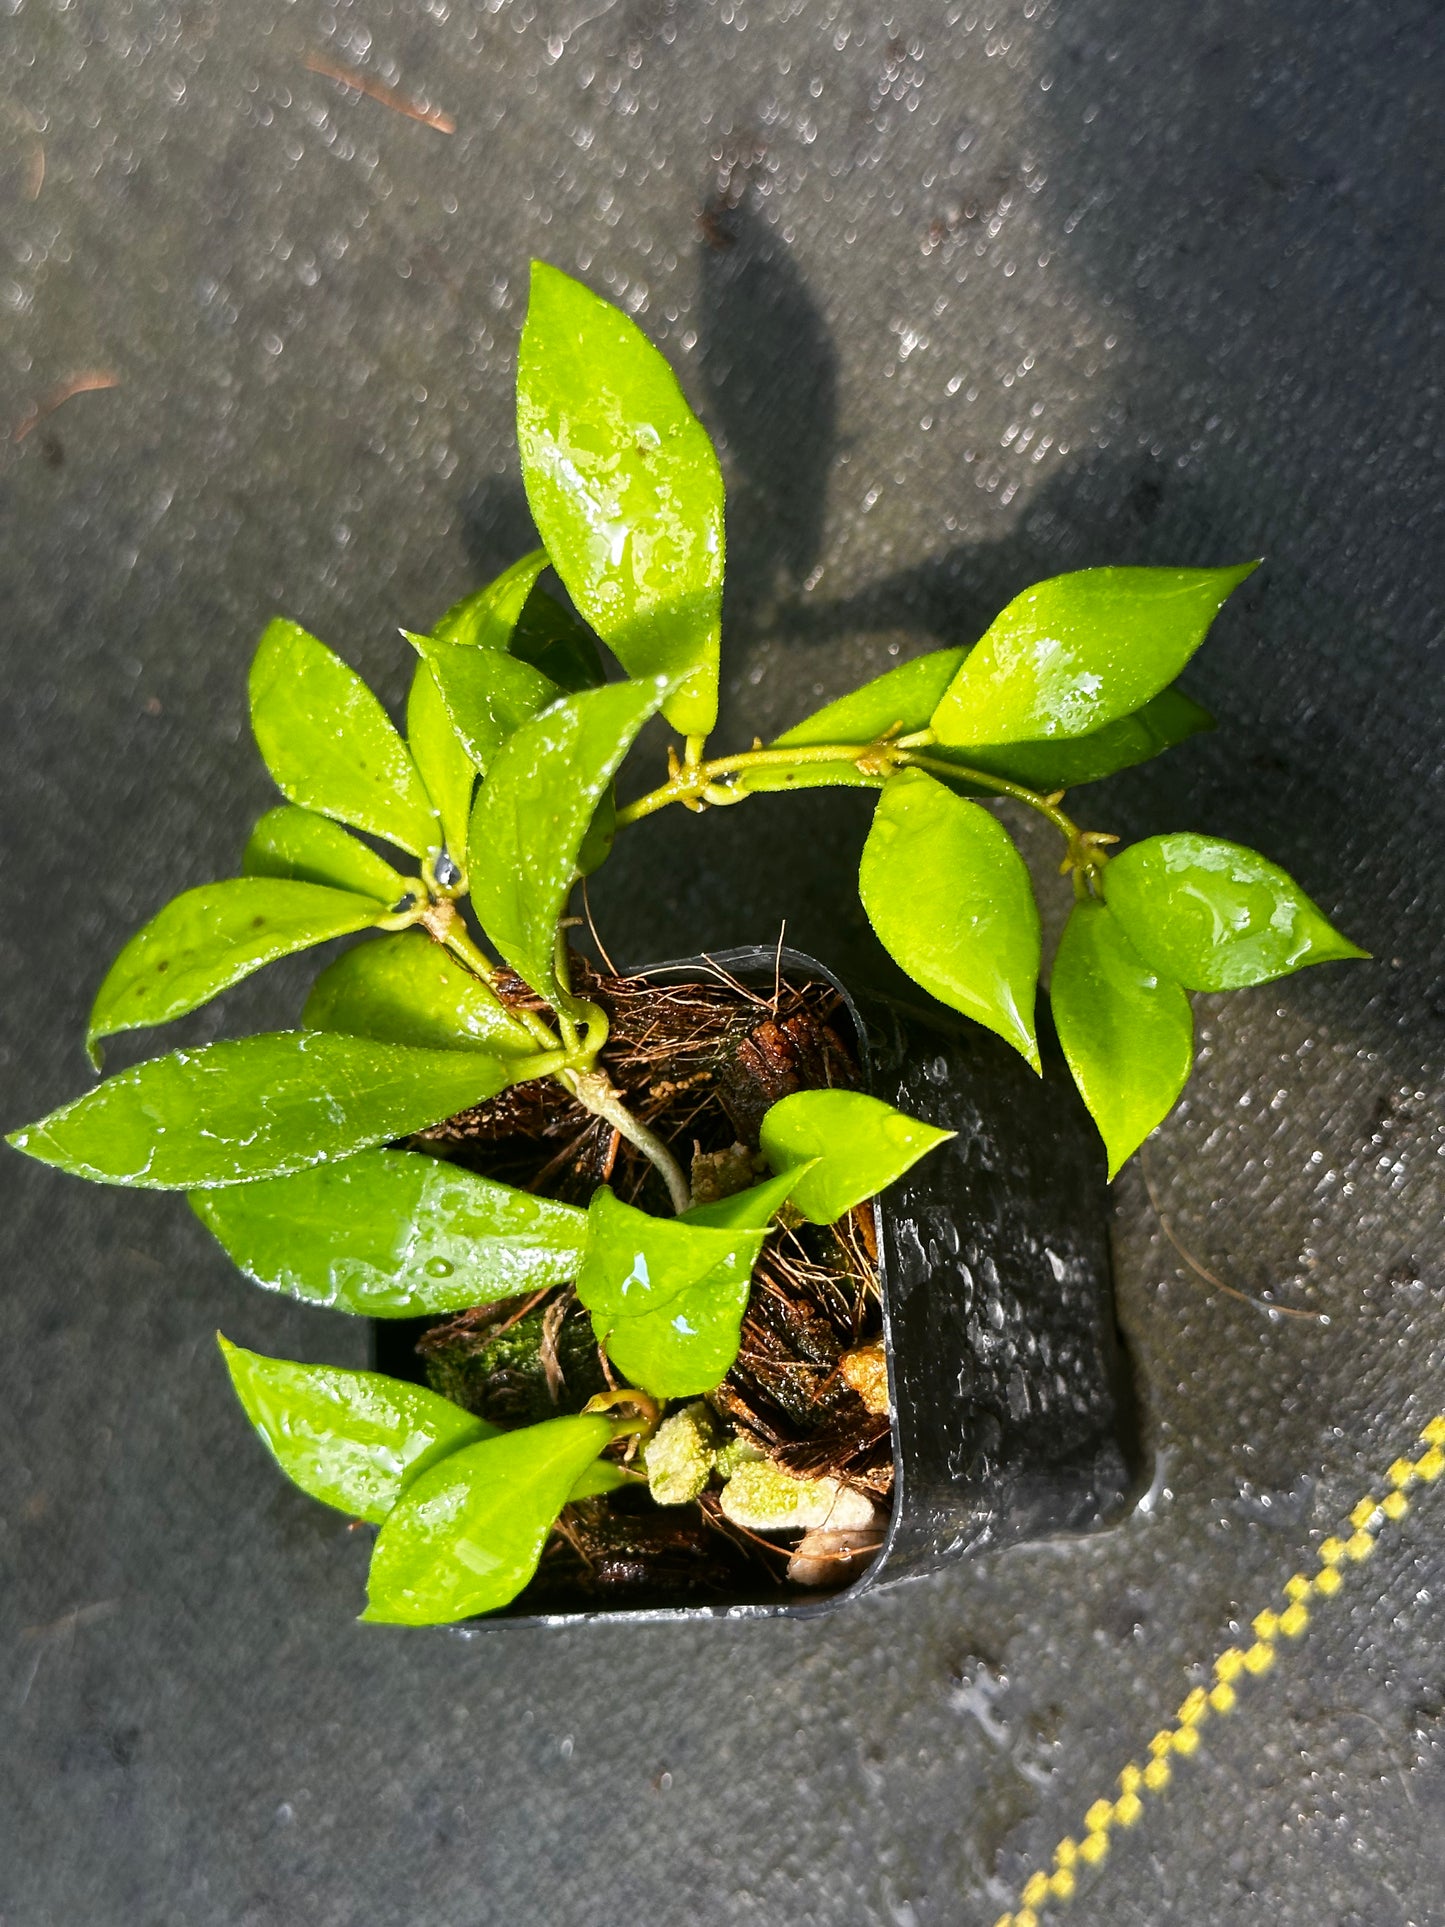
(439, 1268)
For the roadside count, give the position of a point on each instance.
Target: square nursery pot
(1013, 1415)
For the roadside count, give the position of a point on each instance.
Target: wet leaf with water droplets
(844, 1147)
(951, 901)
(441, 757)
(534, 811)
(487, 694)
(486, 618)
(209, 938)
(1127, 1031)
(625, 490)
(394, 1234)
(256, 1107)
(667, 1295)
(296, 843)
(467, 1534)
(330, 745)
(1169, 718)
(354, 1440)
(1216, 916)
(405, 989)
(1075, 652)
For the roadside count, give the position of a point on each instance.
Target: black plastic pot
(1012, 1412)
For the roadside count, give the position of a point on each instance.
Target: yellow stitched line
(1073, 1857)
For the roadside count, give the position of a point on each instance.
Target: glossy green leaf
(625, 490)
(487, 617)
(486, 692)
(601, 1477)
(442, 759)
(753, 1209)
(635, 1263)
(899, 702)
(1127, 1032)
(290, 842)
(354, 1440)
(209, 938)
(394, 1234)
(255, 1107)
(467, 1534)
(667, 1295)
(516, 616)
(1063, 764)
(844, 1146)
(597, 844)
(951, 901)
(554, 641)
(330, 745)
(1077, 651)
(1216, 916)
(689, 1345)
(404, 989)
(534, 810)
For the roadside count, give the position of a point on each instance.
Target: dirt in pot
(780, 1481)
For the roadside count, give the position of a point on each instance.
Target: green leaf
(601, 831)
(842, 1147)
(533, 813)
(289, 842)
(625, 490)
(1067, 761)
(635, 1264)
(1073, 653)
(950, 899)
(330, 745)
(442, 759)
(394, 1234)
(667, 1295)
(601, 1477)
(750, 1210)
(207, 939)
(1127, 1032)
(900, 701)
(405, 989)
(486, 693)
(354, 1440)
(1216, 916)
(486, 618)
(554, 641)
(255, 1107)
(467, 1534)
(687, 1347)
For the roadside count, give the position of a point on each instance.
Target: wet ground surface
(979, 292)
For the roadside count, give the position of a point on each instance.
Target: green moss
(679, 1458)
(504, 1379)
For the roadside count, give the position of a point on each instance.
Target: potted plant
(637, 1209)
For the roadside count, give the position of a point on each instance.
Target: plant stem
(594, 1091)
(690, 783)
(454, 935)
(571, 1060)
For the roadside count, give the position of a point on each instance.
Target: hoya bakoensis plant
(298, 1148)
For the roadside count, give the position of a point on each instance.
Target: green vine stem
(441, 922)
(697, 784)
(595, 1092)
(570, 1060)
